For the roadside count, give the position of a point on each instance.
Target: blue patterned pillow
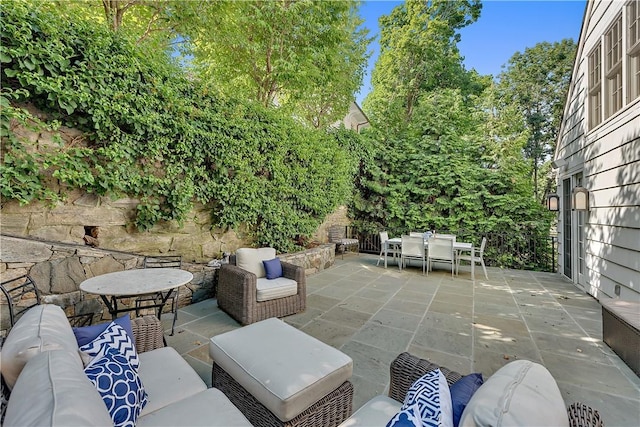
(409, 417)
(116, 337)
(86, 334)
(119, 385)
(431, 393)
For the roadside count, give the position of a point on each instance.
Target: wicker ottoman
(279, 376)
(621, 330)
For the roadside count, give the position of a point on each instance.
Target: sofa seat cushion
(167, 378)
(283, 368)
(268, 289)
(521, 393)
(48, 392)
(250, 259)
(41, 328)
(376, 412)
(207, 408)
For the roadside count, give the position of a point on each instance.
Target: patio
(373, 314)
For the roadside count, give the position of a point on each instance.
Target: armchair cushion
(250, 259)
(43, 328)
(273, 268)
(521, 393)
(48, 392)
(277, 288)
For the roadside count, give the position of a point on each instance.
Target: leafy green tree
(305, 56)
(418, 54)
(536, 82)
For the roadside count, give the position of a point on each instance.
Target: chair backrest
(415, 234)
(482, 245)
(337, 232)
(21, 293)
(441, 248)
(384, 236)
(446, 236)
(413, 246)
(170, 261)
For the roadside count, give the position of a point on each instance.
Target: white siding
(608, 156)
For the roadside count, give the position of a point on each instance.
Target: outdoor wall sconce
(553, 202)
(580, 199)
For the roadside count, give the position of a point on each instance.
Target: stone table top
(136, 282)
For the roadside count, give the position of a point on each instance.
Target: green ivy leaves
(154, 133)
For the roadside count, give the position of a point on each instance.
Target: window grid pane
(613, 47)
(633, 50)
(633, 26)
(613, 86)
(595, 88)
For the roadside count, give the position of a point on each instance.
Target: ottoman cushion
(282, 367)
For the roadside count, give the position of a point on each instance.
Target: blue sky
(504, 28)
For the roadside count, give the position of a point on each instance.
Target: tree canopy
(536, 82)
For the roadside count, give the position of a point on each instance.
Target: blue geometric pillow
(409, 417)
(119, 385)
(431, 393)
(117, 338)
(86, 334)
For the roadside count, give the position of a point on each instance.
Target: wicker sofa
(43, 367)
(406, 369)
(245, 293)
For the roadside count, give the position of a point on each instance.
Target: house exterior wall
(606, 161)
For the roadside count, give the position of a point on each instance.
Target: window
(633, 50)
(595, 90)
(613, 68)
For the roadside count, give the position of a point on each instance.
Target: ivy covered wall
(152, 145)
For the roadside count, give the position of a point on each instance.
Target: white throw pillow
(521, 393)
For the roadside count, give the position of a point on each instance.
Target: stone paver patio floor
(373, 314)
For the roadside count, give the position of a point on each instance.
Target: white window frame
(632, 15)
(594, 60)
(613, 53)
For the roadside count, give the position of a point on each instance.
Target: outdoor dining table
(457, 246)
(112, 287)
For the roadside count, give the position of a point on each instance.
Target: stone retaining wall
(59, 268)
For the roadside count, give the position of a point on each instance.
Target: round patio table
(112, 287)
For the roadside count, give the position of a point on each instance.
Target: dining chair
(168, 261)
(412, 247)
(391, 250)
(20, 293)
(475, 257)
(447, 236)
(440, 250)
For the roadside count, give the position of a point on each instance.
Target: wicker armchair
(237, 294)
(406, 369)
(148, 333)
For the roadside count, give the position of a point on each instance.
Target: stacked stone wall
(59, 268)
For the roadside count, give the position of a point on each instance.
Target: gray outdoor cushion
(207, 408)
(284, 368)
(53, 390)
(268, 289)
(250, 259)
(41, 328)
(376, 412)
(521, 393)
(167, 378)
